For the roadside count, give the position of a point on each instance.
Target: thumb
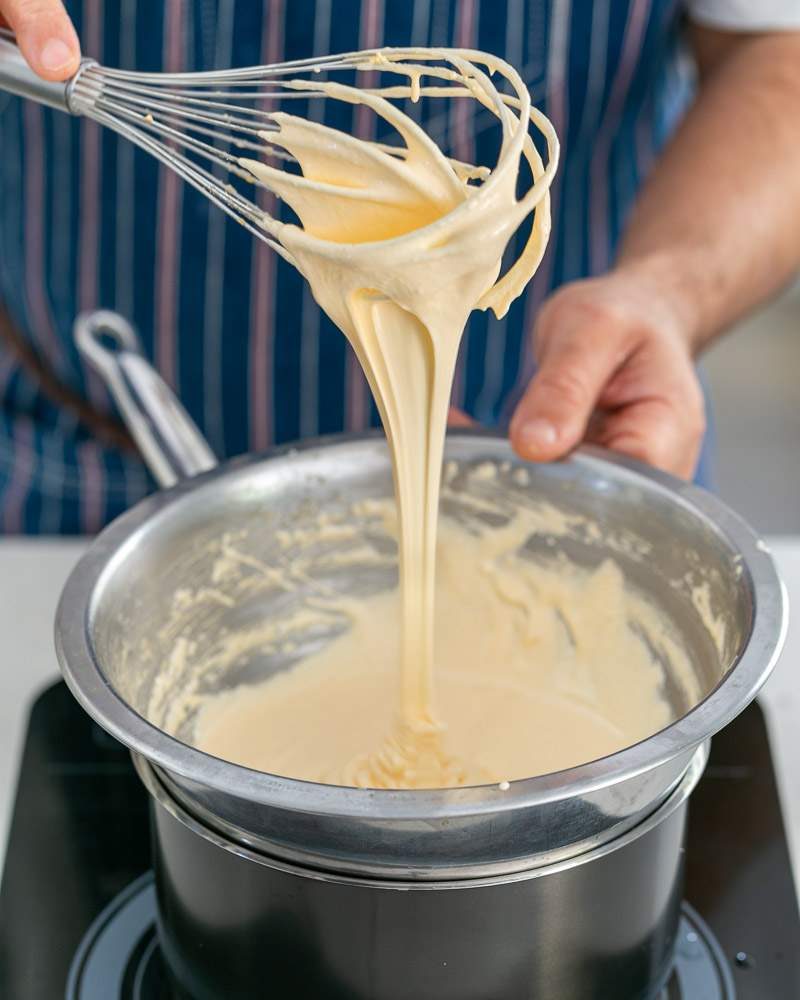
(552, 416)
(45, 36)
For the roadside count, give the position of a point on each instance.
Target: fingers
(45, 36)
(574, 367)
(457, 418)
(655, 411)
(652, 431)
(654, 408)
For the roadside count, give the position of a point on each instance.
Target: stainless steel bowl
(117, 599)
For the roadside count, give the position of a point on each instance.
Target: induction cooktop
(77, 901)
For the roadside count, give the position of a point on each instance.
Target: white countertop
(32, 572)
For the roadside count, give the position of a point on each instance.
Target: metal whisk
(183, 119)
(188, 120)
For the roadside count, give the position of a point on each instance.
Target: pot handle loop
(169, 441)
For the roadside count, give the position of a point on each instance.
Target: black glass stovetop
(77, 903)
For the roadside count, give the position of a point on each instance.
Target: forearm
(716, 229)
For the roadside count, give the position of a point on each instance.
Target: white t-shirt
(746, 15)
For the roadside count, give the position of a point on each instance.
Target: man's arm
(715, 231)
(718, 223)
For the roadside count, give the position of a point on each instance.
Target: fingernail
(55, 55)
(538, 434)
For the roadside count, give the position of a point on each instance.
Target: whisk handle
(16, 77)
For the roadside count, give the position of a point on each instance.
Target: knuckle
(662, 454)
(29, 12)
(695, 417)
(697, 427)
(565, 308)
(594, 306)
(567, 385)
(652, 450)
(26, 10)
(24, 14)
(633, 445)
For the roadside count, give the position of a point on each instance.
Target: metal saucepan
(116, 602)
(564, 885)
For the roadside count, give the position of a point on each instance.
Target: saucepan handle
(165, 434)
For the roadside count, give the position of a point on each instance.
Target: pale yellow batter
(539, 666)
(529, 668)
(399, 247)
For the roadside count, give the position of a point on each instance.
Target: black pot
(236, 924)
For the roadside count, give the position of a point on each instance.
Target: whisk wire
(199, 123)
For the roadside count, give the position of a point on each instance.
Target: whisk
(192, 121)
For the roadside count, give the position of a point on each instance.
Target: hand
(45, 36)
(615, 368)
(457, 418)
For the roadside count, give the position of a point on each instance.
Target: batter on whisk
(399, 246)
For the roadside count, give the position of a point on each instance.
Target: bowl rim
(90, 686)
